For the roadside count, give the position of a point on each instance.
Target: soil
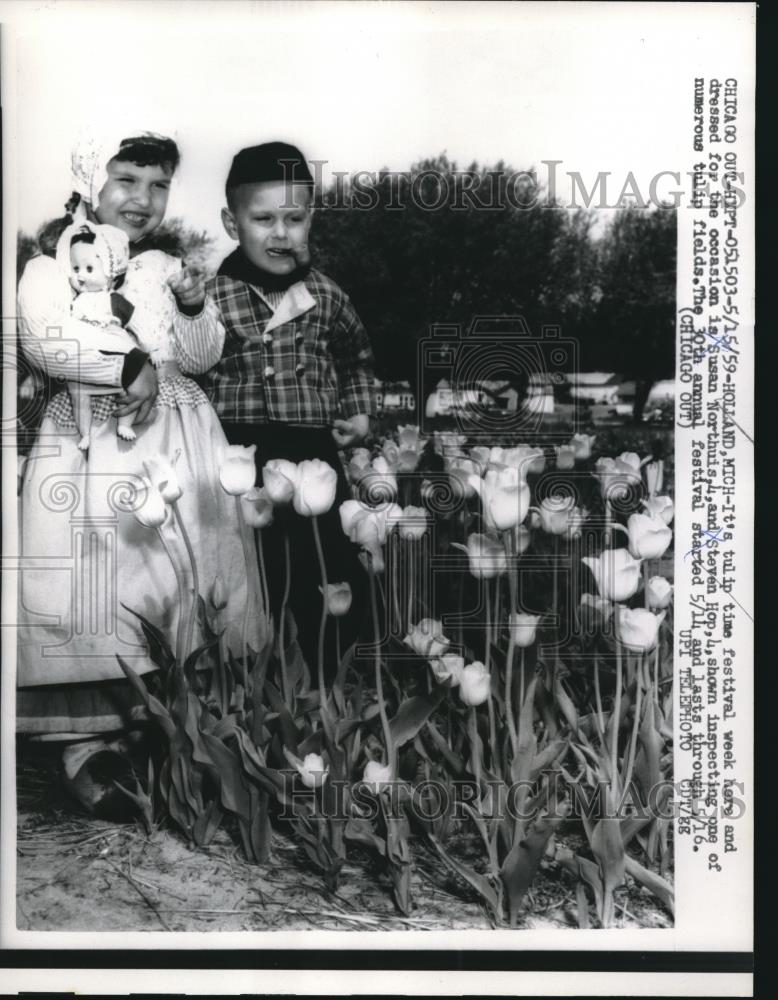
(77, 873)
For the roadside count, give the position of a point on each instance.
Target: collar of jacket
(297, 298)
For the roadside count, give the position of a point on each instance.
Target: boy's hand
(351, 431)
(188, 286)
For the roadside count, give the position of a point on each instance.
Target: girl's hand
(351, 431)
(188, 286)
(140, 395)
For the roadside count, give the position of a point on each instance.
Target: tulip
(486, 556)
(555, 514)
(218, 596)
(616, 572)
(427, 640)
(314, 492)
(522, 538)
(391, 453)
(409, 437)
(655, 476)
(480, 456)
(648, 536)
(595, 610)
(257, 508)
(376, 775)
(279, 478)
(153, 510)
(349, 510)
(660, 507)
(616, 477)
(392, 514)
(448, 667)
(505, 497)
(162, 474)
(408, 460)
(523, 628)
(659, 592)
(582, 445)
(312, 769)
(474, 684)
(381, 481)
(460, 469)
(638, 629)
(358, 464)
(630, 458)
(338, 599)
(565, 457)
(537, 461)
(575, 523)
(413, 523)
(237, 472)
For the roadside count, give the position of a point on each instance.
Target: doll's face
(86, 269)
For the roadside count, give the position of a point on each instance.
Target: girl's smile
(134, 198)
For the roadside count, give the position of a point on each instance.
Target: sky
(598, 87)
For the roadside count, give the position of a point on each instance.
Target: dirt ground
(76, 873)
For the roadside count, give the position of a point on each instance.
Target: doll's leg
(82, 412)
(124, 427)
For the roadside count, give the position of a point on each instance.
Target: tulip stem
(645, 584)
(656, 670)
(616, 720)
(507, 540)
(247, 552)
(379, 685)
(195, 577)
(323, 620)
(476, 757)
(598, 697)
(181, 598)
(282, 616)
(635, 725)
(338, 656)
(411, 579)
(262, 574)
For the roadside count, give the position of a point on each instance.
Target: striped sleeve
(199, 340)
(49, 336)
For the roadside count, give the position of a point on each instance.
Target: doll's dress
(84, 557)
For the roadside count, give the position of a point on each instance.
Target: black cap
(270, 161)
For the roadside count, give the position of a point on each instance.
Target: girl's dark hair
(149, 151)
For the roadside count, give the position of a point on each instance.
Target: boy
(295, 373)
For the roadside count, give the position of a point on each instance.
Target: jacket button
(299, 369)
(269, 371)
(299, 336)
(267, 338)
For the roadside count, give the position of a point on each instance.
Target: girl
(85, 557)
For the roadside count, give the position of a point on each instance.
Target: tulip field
(504, 714)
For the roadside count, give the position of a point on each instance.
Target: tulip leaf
(523, 860)
(412, 714)
(155, 707)
(473, 879)
(608, 849)
(207, 823)
(660, 887)
(361, 832)
(159, 648)
(289, 733)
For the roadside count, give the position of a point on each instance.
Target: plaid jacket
(305, 362)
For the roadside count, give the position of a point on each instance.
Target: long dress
(86, 562)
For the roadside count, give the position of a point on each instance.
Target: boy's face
(134, 198)
(271, 221)
(87, 269)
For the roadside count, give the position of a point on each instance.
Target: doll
(95, 258)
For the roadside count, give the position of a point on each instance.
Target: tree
(635, 318)
(412, 250)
